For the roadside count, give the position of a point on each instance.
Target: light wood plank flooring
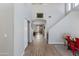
(39, 47)
(46, 50)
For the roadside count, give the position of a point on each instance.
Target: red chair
(67, 42)
(73, 48)
(77, 43)
(71, 44)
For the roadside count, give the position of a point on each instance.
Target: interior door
(6, 29)
(3, 30)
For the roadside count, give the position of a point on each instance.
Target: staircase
(51, 26)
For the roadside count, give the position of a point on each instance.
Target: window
(76, 4)
(69, 6)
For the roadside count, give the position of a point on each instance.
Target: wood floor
(39, 47)
(44, 50)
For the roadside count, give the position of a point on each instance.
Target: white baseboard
(24, 50)
(55, 42)
(22, 53)
(4, 54)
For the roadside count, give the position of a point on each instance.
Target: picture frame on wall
(39, 15)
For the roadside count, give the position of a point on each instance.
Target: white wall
(37, 8)
(20, 39)
(6, 29)
(55, 10)
(68, 25)
(18, 29)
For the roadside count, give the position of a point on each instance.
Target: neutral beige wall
(6, 29)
